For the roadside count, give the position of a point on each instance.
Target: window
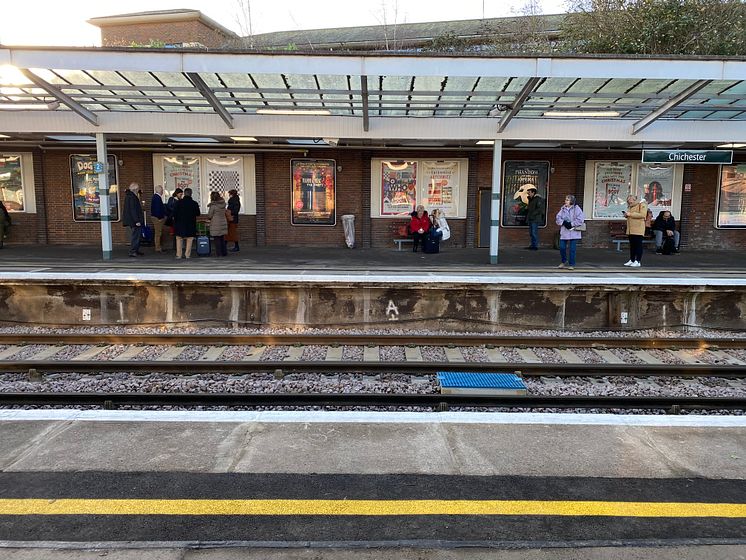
(205, 173)
(17, 182)
(85, 191)
(732, 197)
(609, 183)
(399, 186)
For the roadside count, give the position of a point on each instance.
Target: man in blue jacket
(133, 218)
(158, 213)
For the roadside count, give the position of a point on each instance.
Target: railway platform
(194, 484)
(301, 287)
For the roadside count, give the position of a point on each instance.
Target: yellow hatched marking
(368, 507)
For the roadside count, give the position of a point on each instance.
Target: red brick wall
(193, 31)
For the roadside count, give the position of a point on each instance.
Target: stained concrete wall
(276, 304)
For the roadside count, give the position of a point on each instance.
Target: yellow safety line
(367, 507)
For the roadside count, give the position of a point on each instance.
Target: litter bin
(348, 223)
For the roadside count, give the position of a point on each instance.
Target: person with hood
(664, 226)
(5, 222)
(186, 211)
(234, 207)
(133, 218)
(218, 223)
(419, 225)
(535, 216)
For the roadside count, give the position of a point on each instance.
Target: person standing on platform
(419, 225)
(133, 218)
(568, 218)
(218, 223)
(5, 222)
(535, 216)
(158, 214)
(186, 212)
(636, 213)
(234, 207)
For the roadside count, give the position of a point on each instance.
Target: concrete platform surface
(51, 258)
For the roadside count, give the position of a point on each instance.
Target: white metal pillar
(497, 164)
(103, 196)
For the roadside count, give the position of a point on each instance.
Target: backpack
(669, 247)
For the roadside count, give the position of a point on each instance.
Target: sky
(56, 22)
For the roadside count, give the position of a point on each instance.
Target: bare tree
(389, 30)
(245, 22)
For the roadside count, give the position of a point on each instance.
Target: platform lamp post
(497, 163)
(103, 195)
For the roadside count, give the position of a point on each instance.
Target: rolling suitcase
(147, 237)
(203, 246)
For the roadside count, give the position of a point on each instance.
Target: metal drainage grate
(463, 383)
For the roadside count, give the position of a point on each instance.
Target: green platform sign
(688, 156)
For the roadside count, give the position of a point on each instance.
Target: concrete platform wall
(477, 307)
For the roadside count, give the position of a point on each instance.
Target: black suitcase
(203, 246)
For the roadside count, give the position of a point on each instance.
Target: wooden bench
(399, 241)
(618, 230)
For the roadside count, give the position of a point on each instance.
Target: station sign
(688, 156)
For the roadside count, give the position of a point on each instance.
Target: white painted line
(306, 277)
(319, 417)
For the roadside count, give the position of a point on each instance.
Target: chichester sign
(688, 156)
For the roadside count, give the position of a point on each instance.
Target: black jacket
(132, 213)
(661, 224)
(185, 217)
(234, 205)
(535, 211)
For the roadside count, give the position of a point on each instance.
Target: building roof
(161, 16)
(403, 34)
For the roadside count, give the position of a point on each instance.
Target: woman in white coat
(439, 220)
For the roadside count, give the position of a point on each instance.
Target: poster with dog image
(518, 178)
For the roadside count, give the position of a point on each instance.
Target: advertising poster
(612, 184)
(732, 197)
(181, 172)
(313, 192)
(86, 203)
(398, 188)
(518, 177)
(440, 180)
(11, 183)
(655, 186)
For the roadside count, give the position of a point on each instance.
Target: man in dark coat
(186, 212)
(132, 217)
(5, 222)
(534, 216)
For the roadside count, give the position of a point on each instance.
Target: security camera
(499, 108)
(331, 141)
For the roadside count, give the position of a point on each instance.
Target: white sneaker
(629, 263)
(635, 264)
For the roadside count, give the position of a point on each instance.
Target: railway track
(438, 402)
(355, 339)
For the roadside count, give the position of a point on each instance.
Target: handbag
(581, 227)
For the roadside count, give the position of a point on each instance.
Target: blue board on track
(480, 380)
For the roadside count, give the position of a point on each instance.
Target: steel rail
(182, 367)
(439, 402)
(374, 339)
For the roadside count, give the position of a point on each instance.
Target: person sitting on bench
(419, 226)
(664, 227)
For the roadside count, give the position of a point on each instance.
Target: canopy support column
(497, 164)
(103, 196)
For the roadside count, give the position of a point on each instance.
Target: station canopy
(372, 96)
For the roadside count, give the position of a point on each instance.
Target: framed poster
(181, 172)
(398, 187)
(86, 203)
(314, 192)
(11, 183)
(518, 176)
(612, 183)
(655, 185)
(732, 197)
(440, 183)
